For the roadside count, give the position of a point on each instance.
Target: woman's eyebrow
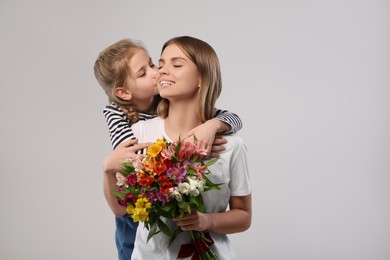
(173, 59)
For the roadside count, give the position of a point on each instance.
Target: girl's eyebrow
(142, 68)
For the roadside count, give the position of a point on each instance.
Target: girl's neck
(181, 119)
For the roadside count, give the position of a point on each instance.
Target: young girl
(189, 81)
(127, 75)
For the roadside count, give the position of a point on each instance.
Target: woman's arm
(237, 219)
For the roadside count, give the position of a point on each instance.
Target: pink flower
(168, 152)
(199, 169)
(187, 149)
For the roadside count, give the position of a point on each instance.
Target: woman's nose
(162, 70)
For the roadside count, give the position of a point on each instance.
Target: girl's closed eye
(141, 73)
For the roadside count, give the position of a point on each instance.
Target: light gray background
(310, 80)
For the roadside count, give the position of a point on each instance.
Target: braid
(131, 112)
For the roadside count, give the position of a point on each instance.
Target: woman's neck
(181, 119)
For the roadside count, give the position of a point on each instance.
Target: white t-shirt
(231, 169)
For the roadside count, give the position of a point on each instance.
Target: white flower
(176, 194)
(121, 179)
(184, 188)
(194, 185)
(201, 184)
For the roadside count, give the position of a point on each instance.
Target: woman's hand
(237, 219)
(194, 221)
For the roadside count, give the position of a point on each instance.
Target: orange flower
(144, 179)
(154, 149)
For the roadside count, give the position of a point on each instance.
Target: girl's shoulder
(113, 109)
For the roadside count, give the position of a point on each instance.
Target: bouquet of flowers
(168, 182)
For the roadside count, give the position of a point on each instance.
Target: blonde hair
(206, 60)
(112, 70)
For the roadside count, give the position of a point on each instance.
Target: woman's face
(142, 82)
(178, 76)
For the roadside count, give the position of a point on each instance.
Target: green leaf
(212, 185)
(164, 228)
(118, 194)
(127, 168)
(152, 230)
(212, 161)
(194, 201)
(185, 206)
(167, 207)
(174, 235)
(200, 207)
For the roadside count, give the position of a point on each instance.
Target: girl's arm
(119, 125)
(112, 165)
(232, 122)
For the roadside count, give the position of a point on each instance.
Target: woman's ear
(123, 93)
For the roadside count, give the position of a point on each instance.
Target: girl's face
(142, 82)
(178, 76)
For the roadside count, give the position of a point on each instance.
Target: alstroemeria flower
(176, 194)
(199, 169)
(121, 179)
(164, 182)
(154, 149)
(195, 185)
(176, 173)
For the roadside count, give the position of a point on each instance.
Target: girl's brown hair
(112, 70)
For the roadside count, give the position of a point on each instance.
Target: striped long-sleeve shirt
(119, 125)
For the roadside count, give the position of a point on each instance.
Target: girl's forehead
(140, 59)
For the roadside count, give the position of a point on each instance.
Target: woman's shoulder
(235, 145)
(155, 121)
(146, 130)
(234, 140)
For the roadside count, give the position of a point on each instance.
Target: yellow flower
(130, 209)
(140, 215)
(154, 149)
(140, 212)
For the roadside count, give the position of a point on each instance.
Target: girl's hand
(206, 134)
(124, 152)
(218, 146)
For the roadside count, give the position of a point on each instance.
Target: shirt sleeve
(240, 180)
(119, 125)
(229, 118)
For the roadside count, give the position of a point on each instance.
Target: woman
(189, 81)
(126, 73)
